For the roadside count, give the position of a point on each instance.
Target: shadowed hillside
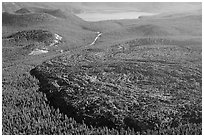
(76, 32)
(14, 6)
(25, 20)
(55, 13)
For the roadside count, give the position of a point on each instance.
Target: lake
(112, 15)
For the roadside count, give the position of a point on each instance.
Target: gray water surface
(112, 15)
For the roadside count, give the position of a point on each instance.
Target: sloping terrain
(177, 26)
(102, 89)
(32, 42)
(32, 35)
(65, 6)
(25, 19)
(55, 13)
(139, 76)
(76, 32)
(144, 84)
(26, 31)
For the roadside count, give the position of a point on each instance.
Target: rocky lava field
(104, 88)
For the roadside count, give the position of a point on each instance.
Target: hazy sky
(158, 7)
(142, 6)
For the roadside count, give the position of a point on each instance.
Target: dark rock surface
(105, 91)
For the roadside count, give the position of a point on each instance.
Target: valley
(65, 75)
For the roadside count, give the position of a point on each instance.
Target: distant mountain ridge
(14, 6)
(78, 7)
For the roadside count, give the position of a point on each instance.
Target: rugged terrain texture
(30, 42)
(140, 76)
(116, 89)
(32, 35)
